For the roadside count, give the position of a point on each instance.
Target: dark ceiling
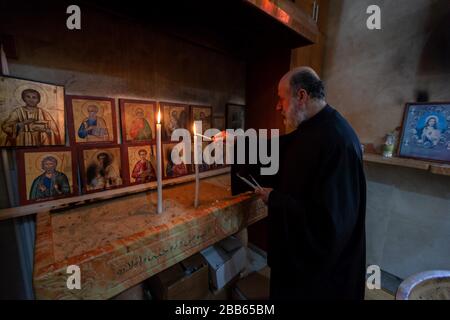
(229, 25)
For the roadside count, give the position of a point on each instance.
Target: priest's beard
(293, 118)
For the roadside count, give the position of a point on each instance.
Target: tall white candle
(159, 162)
(197, 173)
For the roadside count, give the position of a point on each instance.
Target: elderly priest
(317, 200)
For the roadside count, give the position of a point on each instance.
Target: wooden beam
(291, 16)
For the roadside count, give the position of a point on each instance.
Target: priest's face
(291, 105)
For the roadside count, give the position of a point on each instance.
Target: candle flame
(195, 132)
(159, 116)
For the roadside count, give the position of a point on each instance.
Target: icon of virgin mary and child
(429, 134)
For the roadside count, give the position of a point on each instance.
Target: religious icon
(138, 120)
(31, 113)
(172, 170)
(175, 116)
(220, 157)
(203, 114)
(426, 132)
(219, 123)
(235, 116)
(203, 166)
(141, 164)
(91, 120)
(101, 168)
(46, 174)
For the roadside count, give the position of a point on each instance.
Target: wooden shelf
(409, 163)
(434, 168)
(99, 196)
(440, 169)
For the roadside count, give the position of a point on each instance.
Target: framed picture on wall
(203, 114)
(172, 170)
(140, 163)
(46, 174)
(426, 132)
(31, 113)
(92, 120)
(235, 116)
(174, 116)
(138, 119)
(101, 167)
(219, 123)
(208, 148)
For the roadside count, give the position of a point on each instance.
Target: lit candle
(197, 174)
(158, 162)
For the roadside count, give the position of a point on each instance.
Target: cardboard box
(187, 280)
(256, 286)
(226, 260)
(133, 293)
(225, 293)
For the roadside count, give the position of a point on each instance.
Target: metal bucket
(430, 285)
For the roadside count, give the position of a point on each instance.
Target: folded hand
(264, 194)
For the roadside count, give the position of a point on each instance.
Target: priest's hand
(220, 136)
(264, 194)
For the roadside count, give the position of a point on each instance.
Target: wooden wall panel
(313, 55)
(263, 74)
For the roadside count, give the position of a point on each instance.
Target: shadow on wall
(435, 59)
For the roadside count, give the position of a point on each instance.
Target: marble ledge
(120, 243)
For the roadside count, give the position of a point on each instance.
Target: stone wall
(369, 76)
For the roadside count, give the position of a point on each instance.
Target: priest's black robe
(317, 212)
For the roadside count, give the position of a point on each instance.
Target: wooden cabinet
(313, 8)
(308, 6)
(312, 55)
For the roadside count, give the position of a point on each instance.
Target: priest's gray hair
(307, 79)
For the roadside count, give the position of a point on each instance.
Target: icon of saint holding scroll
(94, 127)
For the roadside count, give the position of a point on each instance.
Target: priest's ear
(302, 96)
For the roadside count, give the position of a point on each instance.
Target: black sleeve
(326, 221)
(245, 170)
